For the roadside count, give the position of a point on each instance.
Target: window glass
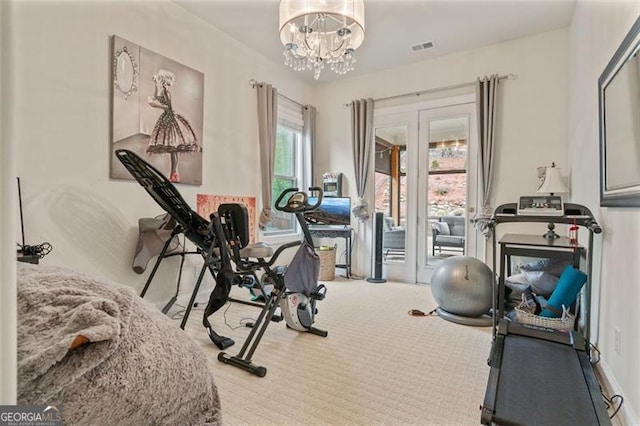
(383, 193)
(447, 178)
(285, 149)
(285, 176)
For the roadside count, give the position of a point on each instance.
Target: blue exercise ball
(462, 285)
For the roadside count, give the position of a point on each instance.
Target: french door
(425, 163)
(447, 186)
(394, 159)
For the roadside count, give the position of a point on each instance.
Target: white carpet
(377, 366)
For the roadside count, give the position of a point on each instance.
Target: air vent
(423, 46)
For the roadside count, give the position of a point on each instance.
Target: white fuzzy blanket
(136, 368)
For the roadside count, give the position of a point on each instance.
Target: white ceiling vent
(422, 46)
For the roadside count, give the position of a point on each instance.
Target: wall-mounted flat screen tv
(332, 211)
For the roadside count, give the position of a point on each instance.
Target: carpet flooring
(378, 364)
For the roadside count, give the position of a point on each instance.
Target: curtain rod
(253, 83)
(510, 76)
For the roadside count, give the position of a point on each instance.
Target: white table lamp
(552, 184)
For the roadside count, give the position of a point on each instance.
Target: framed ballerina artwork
(158, 108)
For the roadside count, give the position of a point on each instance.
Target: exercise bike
(223, 242)
(295, 288)
(298, 306)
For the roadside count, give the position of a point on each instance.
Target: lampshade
(553, 183)
(319, 32)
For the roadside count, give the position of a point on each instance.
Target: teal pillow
(569, 285)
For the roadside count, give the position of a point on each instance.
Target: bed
(105, 356)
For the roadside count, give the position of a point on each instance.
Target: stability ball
(462, 286)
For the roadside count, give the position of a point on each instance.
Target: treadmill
(539, 375)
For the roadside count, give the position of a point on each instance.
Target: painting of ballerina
(157, 112)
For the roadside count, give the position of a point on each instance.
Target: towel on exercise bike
(303, 271)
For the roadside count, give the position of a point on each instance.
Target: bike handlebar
(285, 192)
(298, 202)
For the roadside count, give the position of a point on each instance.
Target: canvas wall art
(207, 204)
(157, 111)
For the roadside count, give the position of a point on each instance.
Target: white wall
(62, 126)
(533, 115)
(7, 227)
(597, 30)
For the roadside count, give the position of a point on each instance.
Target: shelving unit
(575, 214)
(539, 375)
(536, 246)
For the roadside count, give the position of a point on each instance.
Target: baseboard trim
(610, 385)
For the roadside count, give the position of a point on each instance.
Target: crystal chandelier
(320, 32)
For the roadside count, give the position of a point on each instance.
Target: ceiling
(440, 130)
(393, 26)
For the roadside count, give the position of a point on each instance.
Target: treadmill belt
(542, 383)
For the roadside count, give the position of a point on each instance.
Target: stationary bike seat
(257, 250)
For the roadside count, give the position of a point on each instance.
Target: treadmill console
(544, 205)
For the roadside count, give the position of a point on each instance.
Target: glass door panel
(444, 182)
(390, 159)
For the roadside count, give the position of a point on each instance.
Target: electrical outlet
(616, 340)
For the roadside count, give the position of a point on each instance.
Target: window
(288, 164)
(284, 176)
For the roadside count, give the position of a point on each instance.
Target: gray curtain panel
(362, 140)
(267, 129)
(309, 137)
(486, 101)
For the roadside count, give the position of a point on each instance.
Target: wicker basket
(524, 315)
(327, 257)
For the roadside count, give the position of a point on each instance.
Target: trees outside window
(287, 174)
